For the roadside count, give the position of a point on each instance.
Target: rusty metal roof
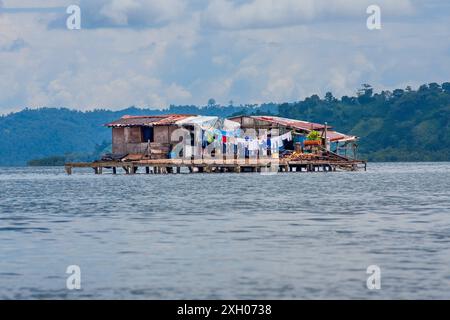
(334, 136)
(138, 121)
(306, 126)
(297, 124)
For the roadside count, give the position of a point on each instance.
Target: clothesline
(233, 137)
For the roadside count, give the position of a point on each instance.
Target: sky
(153, 53)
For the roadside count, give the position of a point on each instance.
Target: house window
(147, 134)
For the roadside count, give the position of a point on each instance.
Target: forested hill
(402, 125)
(50, 132)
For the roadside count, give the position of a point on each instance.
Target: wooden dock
(166, 166)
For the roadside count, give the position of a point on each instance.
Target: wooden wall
(129, 139)
(162, 133)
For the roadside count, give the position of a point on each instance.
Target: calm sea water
(295, 235)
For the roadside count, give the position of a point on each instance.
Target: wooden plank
(161, 165)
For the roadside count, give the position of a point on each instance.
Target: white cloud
(34, 3)
(175, 57)
(278, 13)
(177, 94)
(94, 88)
(111, 68)
(130, 13)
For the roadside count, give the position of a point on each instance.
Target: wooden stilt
(210, 166)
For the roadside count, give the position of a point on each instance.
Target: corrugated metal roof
(177, 119)
(298, 124)
(304, 125)
(137, 121)
(334, 136)
(203, 121)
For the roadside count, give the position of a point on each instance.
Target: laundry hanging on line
(287, 136)
(232, 137)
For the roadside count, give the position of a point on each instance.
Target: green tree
(434, 87)
(397, 93)
(365, 93)
(211, 102)
(446, 87)
(329, 97)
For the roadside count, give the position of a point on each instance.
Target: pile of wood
(322, 154)
(298, 156)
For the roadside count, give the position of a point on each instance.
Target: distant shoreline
(402, 125)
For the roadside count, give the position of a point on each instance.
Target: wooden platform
(165, 166)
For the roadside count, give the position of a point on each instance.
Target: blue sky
(155, 53)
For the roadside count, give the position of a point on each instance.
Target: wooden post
(114, 170)
(68, 170)
(147, 170)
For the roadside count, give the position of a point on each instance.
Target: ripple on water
(226, 236)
